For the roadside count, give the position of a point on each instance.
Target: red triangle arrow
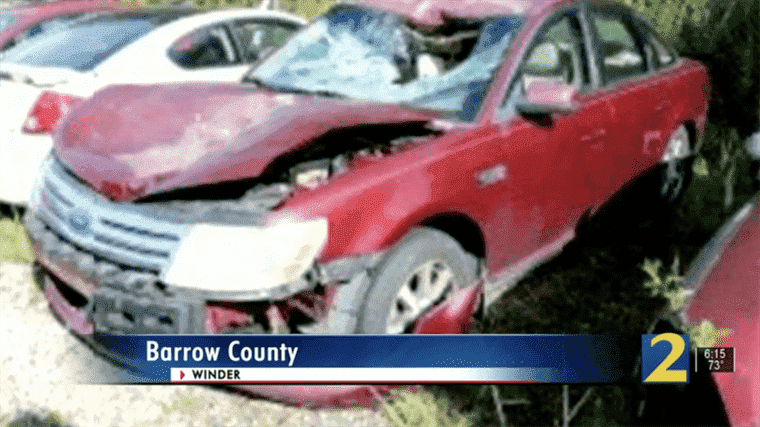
(181, 374)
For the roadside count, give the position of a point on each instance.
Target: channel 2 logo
(665, 359)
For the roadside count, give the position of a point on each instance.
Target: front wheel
(415, 276)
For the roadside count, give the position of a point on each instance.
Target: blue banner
(382, 359)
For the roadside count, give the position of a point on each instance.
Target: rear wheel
(415, 276)
(676, 170)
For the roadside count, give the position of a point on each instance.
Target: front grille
(127, 247)
(139, 231)
(50, 188)
(94, 225)
(86, 262)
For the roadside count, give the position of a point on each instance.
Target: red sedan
(18, 24)
(363, 177)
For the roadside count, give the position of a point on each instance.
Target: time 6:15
(715, 353)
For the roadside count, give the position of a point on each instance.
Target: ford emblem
(80, 222)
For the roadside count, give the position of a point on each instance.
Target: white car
(42, 79)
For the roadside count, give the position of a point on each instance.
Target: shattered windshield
(370, 55)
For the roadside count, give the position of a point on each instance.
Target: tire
(386, 310)
(676, 172)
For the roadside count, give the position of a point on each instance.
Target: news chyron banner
(398, 359)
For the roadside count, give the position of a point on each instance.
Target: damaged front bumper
(135, 303)
(154, 310)
(370, 396)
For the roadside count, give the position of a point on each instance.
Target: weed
(30, 419)
(14, 243)
(422, 409)
(668, 286)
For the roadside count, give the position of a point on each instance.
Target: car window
(620, 55)
(206, 47)
(556, 55)
(259, 39)
(662, 56)
(82, 45)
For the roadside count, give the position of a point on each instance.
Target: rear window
(55, 24)
(81, 46)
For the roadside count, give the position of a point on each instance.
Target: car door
(553, 163)
(663, 73)
(638, 96)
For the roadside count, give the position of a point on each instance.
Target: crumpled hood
(153, 138)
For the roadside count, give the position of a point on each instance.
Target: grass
(14, 243)
(309, 9)
(31, 419)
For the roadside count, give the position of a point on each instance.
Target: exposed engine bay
(245, 202)
(334, 153)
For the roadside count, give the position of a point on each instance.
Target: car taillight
(49, 109)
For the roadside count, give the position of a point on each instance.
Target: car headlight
(231, 258)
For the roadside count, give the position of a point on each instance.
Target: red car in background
(386, 170)
(725, 282)
(21, 23)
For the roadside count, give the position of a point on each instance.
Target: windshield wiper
(260, 83)
(286, 89)
(325, 93)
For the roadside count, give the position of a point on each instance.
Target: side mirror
(546, 98)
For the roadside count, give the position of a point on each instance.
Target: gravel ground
(41, 365)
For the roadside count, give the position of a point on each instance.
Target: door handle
(594, 135)
(492, 175)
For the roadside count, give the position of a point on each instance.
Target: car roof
(433, 12)
(247, 13)
(199, 18)
(161, 16)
